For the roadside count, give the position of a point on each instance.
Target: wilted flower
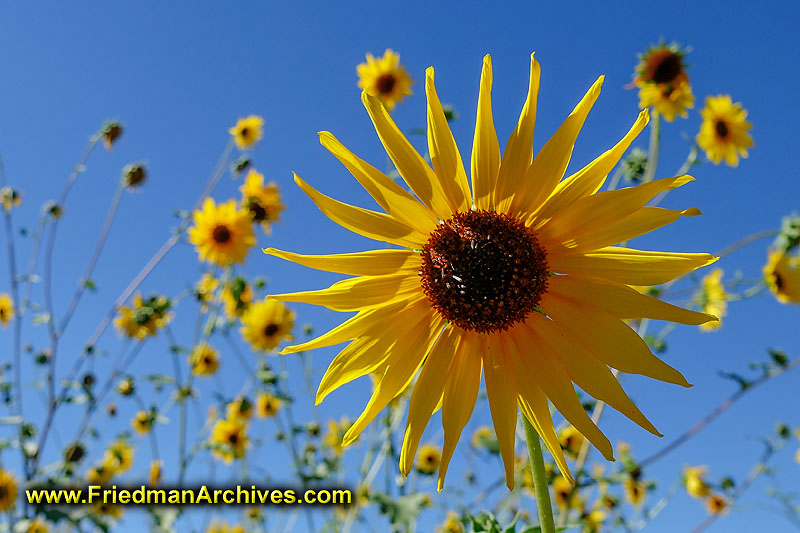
(134, 175)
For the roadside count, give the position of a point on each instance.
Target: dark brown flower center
(270, 330)
(778, 280)
(483, 271)
(385, 83)
(668, 68)
(221, 234)
(257, 212)
(722, 129)
(233, 438)
(244, 132)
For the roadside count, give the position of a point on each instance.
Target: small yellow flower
(336, 430)
(238, 528)
(142, 422)
(564, 494)
(241, 408)
(229, 439)
(254, 513)
(10, 197)
(670, 100)
(451, 524)
(144, 318)
(38, 526)
(267, 405)
(126, 387)
(236, 296)
(266, 323)
(724, 131)
(247, 131)
(204, 360)
(6, 309)
(484, 438)
(782, 274)
(571, 441)
(635, 492)
(8, 490)
(100, 474)
(119, 456)
(156, 473)
(696, 486)
(222, 234)
(662, 63)
(262, 201)
(712, 299)
(428, 459)
(204, 290)
(716, 504)
(385, 78)
(593, 520)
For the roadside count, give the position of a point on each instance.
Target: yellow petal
(460, 393)
(539, 363)
(395, 200)
(354, 294)
(498, 373)
(414, 170)
(371, 263)
(629, 266)
(590, 178)
(427, 394)
(551, 162)
(368, 223)
(485, 148)
(519, 150)
(366, 354)
(404, 360)
(588, 373)
(354, 327)
(587, 215)
(444, 152)
(642, 221)
(609, 339)
(533, 404)
(622, 301)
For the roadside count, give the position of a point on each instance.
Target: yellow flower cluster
(145, 318)
(117, 459)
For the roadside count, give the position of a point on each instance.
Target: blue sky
(178, 77)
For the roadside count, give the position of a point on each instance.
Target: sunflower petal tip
(429, 73)
(692, 212)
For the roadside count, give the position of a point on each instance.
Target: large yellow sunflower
(782, 274)
(724, 133)
(384, 78)
(515, 275)
(222, 234)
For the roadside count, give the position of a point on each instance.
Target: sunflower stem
(546, 523)
(653, 149)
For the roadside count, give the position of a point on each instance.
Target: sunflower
(236, 296)
(107, 510)
(229, 439)
(204, 290)
(451, 524)
(8, 490)
(142, 422)
(782, 274)
(564, 494)
(37, 526)
(100, 474)
(156, 472)
(262, 201)
(670, 100)
(712, 299)
(515, 275)
(635, 491)
(204, 360)
(222, 234)
(662, 63)
(724, 131)
(384, 78)
(266, 323)
(336, 431)
(693, 479)
(247, 131)
(144, 318)
(716, 504)
(571, 441)
(118, 456)
(240, 409)
(267, 405)
(6, 309)
(483, 439)
(428, 459)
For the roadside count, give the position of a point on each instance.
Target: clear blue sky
(178, 75)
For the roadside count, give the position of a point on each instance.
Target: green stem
(539, 479)
(652, 152)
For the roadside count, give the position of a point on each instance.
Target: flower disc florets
(484, 271)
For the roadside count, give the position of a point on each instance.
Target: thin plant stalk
(545, 508)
